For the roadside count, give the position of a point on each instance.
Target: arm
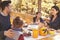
(55, 24)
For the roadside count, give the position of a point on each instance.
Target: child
(17, 29)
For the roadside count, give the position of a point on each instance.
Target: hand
(47, 20)
(45, 23)
(41, 24)
(58, 30)
(9, 33)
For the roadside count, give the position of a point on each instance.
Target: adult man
(5, 25)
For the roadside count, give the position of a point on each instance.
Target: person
(17, 27)
(5, 25)
(37, 18)
(54, 23)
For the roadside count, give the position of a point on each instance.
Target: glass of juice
(35, 33)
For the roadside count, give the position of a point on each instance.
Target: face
(39, 15)
(53, 11)
(8, 8)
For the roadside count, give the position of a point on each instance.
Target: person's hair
(37, 13)
(4, 4)
(17, 23)
(57, 9)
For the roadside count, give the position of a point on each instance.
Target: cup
(35, 33)
(51, 32)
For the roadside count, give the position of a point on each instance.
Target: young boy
(17, 28)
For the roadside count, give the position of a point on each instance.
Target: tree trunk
(39, 6)
(20, 4)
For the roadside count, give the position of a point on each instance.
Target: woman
(37, 18)
(55, 18)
